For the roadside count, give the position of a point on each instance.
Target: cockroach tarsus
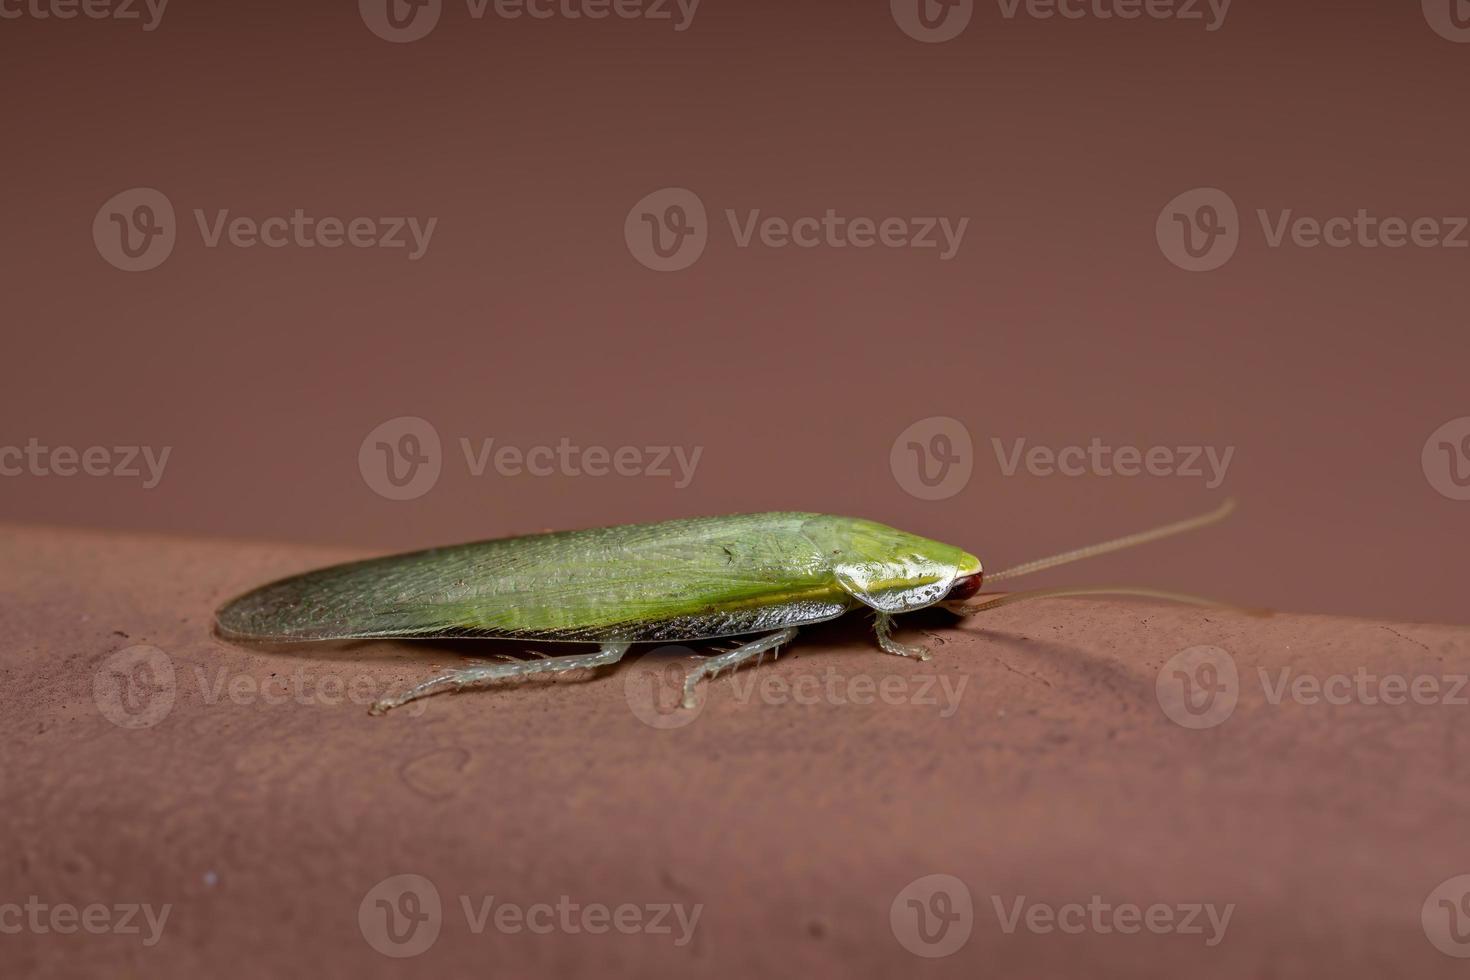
(757, 575)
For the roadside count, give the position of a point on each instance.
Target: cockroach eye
(964, 587)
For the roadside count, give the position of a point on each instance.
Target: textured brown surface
(1058, 777)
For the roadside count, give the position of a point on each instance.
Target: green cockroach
(673, 582)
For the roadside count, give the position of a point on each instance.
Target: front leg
(884, 627)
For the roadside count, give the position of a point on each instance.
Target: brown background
(528, 320)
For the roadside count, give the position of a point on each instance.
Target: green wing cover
(683, 579)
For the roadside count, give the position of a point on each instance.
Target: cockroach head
(964, 587)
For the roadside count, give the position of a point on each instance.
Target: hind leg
(729, 661)
(884, 627)
(458, 680)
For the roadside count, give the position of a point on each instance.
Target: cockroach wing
(686, 579)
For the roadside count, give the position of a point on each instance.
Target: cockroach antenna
(968, 608)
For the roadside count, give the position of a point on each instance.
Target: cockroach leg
(729, 661)
(884, 628)
(479, 676)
